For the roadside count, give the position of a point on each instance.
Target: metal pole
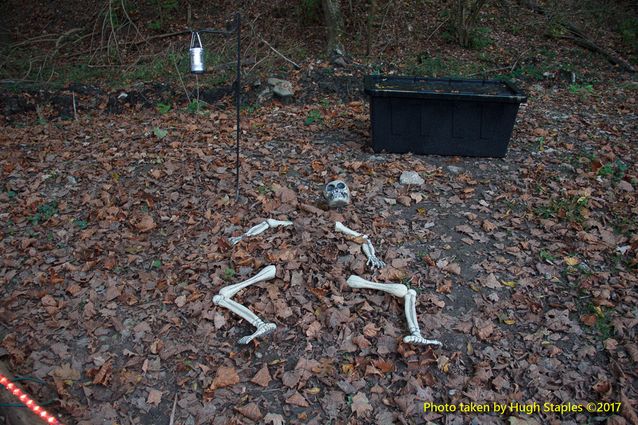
(237, 101)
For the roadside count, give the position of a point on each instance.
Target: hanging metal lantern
(197, 54)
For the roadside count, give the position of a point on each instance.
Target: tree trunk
(466, 16)
(372, 10)
(334, 25)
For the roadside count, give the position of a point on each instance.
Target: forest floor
(114, 239)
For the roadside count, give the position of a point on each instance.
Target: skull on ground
(337, 193)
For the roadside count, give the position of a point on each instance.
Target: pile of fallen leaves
(115, 239)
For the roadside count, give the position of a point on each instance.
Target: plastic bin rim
(517, 95)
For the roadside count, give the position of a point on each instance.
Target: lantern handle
(199, 40)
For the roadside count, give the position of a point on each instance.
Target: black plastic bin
(442, 116)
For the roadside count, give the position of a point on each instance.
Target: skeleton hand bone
(259, 228)
(373, 261)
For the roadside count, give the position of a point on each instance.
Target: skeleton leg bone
(409, 299)
(223, 299)
(366, 246)
(259, 228)
(413, 323)
(264, 274)
(396, 289)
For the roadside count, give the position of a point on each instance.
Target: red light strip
(28, 401)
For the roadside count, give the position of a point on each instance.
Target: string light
(27, 401)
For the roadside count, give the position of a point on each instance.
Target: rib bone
(260, 228)
(396, 289)
(223, 299)
(373, 261)
(413, 323)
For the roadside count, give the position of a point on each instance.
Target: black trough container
(442, 116)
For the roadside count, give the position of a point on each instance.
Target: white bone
(396, 289)
(264, 274)
(223, 299)
(263, 328)
(259, 228)
(339, 227)
(373, 261)
(413, 323)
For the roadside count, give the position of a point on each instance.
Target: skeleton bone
(396, 289)
(409, 299)
(373, 261)
(337, 193)
(413, 323)
(223, 299)
(264, 274)
(259, 228)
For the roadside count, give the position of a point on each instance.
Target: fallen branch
(579, 38)
(297, 66)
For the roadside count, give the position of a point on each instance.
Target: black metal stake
(238, 101)
(237, 87)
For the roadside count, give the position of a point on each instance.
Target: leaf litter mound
(115, 239)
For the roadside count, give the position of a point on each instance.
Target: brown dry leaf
(145, 223)
(488, 226)
(383, 365)
(361, 342)
(444, 287)
(154, 397)
(453, 268)
(370, 330)
(602, 387)
(627, 408)
(483, 329)
(262, 377)
(225, 377)
(48, 301)
(490, 281)
(109, 262)
(180, 301)
(274, 419)
(632, 349)
(104, 374)
(251, 411)
(65, 372)
(360, 405)
(314, 330)
(297, 400)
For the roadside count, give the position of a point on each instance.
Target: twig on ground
(172, 420)
(75, 109)
(296, 65)
(179, 75)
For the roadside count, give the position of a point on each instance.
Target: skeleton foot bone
(373, 261)
(409, 299)
(409, 303)
(260, 228)
(223, 299)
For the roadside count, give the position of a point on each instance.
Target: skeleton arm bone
(396, 289)
(367, 248)
(259, 228)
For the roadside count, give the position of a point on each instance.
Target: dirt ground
(114, 241)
